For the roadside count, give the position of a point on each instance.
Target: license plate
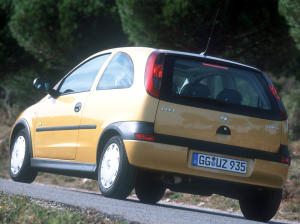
(219, 163)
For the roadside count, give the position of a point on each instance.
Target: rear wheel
(115, 175)
(148, 189)
(20, 169)
(260, 204)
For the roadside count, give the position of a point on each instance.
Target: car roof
(216, 59)
(210, 58)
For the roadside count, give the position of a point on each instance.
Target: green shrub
(289, 90)
(20, 93)
(291, 101)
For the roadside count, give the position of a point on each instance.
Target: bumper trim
(128, 129)
(223, 148)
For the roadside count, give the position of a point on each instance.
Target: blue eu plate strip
(195, 159)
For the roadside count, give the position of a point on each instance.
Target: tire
(20, 169)
(147, 189)
(116, 176)
(260, 205)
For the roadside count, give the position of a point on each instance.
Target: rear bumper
(176, 159)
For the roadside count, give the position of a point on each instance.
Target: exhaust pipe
(172, 179)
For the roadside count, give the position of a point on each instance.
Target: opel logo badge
(224, 118)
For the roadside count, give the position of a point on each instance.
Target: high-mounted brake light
(154, 74)
(215, 66)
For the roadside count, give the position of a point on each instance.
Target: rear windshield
(194, 79)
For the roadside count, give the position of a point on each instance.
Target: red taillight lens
(274, 92)
(283, 114)
(158, 71)
(286, 160)
(145, 137)
(154, 74)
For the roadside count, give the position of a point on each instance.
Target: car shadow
(202, 210)
(181, 207)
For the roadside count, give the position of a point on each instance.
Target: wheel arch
(21, 124)
(124, 129)
(107, 133)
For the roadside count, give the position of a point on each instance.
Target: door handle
(223, 130)
(77, 107)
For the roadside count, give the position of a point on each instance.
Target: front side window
(196, 80)
(82, 78)
(118, 74)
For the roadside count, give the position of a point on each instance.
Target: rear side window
(82, 78)
(118, 74)
(196, 80)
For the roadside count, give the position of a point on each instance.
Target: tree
(46, 38)
(11, 54)
(290, 9)
(247, 31)
(61, 32)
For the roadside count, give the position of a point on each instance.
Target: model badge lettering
(168, 109)
(273, 127)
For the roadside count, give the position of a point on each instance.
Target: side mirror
(44, 86)
(41, 84)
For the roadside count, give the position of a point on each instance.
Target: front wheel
(116, 176)
(20, 169)
(260, 204)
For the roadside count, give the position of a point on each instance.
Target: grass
(289, 208)
(4, 164)
(22, 209)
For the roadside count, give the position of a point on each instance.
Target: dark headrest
(230, 96)
(195, 90)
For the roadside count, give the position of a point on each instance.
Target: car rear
(220, 127)
(215, 119)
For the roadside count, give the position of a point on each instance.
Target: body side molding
(65, 128)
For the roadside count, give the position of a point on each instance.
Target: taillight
(154, 74)
(274, 92)
(286, 160)
(285, 157)
(283, 114)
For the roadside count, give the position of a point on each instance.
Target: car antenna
(211, 33)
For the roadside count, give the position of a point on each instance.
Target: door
(106, 104)
(214, 103)
(58, 119)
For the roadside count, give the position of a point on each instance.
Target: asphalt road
(130, 210)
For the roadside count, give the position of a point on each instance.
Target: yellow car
(153, 119)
